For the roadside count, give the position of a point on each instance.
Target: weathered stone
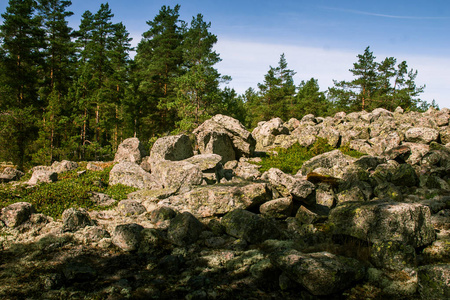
(277, 208)
(265, 132)
(130, 150)
(213, 200)
(16, 214)
(75, 219)
(206, 162)
(179, 175)
(394, 283)
(184, 229)
(307, 216)
(320, 273)
(375, 221)
(438, 251)
(288, 184)
(392, 255)
(130, 208)
(405, 175)
(64, 166)
(173, 148)
(325, 195)
(422, 135)
(127, 237)
(249, 226)
(45, 176)
(335, 161)
(247, 171)
(101, 199)
(10, 174)
(242, 140)
(131, 174)
(434, 281)
(331, 135)
(162, 213)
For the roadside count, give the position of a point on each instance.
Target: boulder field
(205, 223)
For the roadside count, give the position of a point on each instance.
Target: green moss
(291, 160)
(71, 190)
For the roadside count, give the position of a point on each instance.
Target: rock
(210, 165)
(173, 148)
(438, 251)
(331, 135)
(308, 118)
(16, 214)
(405, 175)
(127, 236)
(335, 161)
(75, 219)
(131, 174)
(249, 226)
(392, 255)
(284, 141)
(292, 124)
(247, 171)
(207, 201)
(94, 166)
(242, 140)
(130, 208)
(394, 283)
(79, 272)
(320, 273)
(434, 281)
(306, 135)
(184, 229)
(278, 208)
(10, 174)
(64, 166)
(289, 185)
(325, 196)
(163, 213)
(101, 199)
(421, 135)
(179, 175)
(265, 132)
(376, 221)
(130, 150)
(307, 216)
(45, 176)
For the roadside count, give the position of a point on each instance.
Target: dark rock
(16, 214)
(75, 219)
(184, 229)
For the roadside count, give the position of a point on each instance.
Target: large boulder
(321, 273)
(16, 214)
(173, 148)
(75, 219)
(130, 150)
(241, 139)
(64, 166)
(131, 174)
(265, 132)
(332, 163)
(434, 281)
(43, 176)
(127, 237)
(10, 174)
(288, 185)
(423, 135)
(378, 221)
(207, 201)
(179, 175)
(184, 229)
(251, 227)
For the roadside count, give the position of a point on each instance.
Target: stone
(16, 214)
(75, 219)
(10, 174)
(130, 150)
(130, 208)
(64, 166)
(101, 199)
(206, 162)
(280, 208)
(247, 171)
(184, 229)
(392, 255)
(405, 175)
(307, 216)
(434, 281)
(421, 135)
(162, 213)
(394, 283)
(127, 236)
(320, 273)
(265, 132)
(335, 161)
(131, 174)
(378, 221)
(288, 184)
(43, 176)
(208, 201)
(179, 175)
(173, 148)
(251, 227)
(242, 141)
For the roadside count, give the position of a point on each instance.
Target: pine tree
(309, 100)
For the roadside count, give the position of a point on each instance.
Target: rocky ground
(207, 224)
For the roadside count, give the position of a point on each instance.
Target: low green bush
(71, 190)
(291, 160)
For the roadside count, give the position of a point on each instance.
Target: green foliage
(71, 190)
(291, 160)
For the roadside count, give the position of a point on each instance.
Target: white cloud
(247, 62)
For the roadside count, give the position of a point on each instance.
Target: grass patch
(291, 160)
(71, 190)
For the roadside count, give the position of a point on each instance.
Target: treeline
(76, 94)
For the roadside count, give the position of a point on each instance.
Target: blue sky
(320, 39)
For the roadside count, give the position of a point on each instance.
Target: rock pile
(211, 226)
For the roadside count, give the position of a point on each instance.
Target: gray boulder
(16, 214)
(184, 229)
(334, 162)
(131, 174)
(421, 135)
(130, 150)
(127, 237)
(43, 176)
(266, 132)
(242, 140)
(320, 273)
(434, 281)
(130, 208)
(64, 166)
(173, 148)
(251, 227)
(179, 175)
(378, 221)
(278, 208)
(288, 185)
(10, 174)
(75, 219)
